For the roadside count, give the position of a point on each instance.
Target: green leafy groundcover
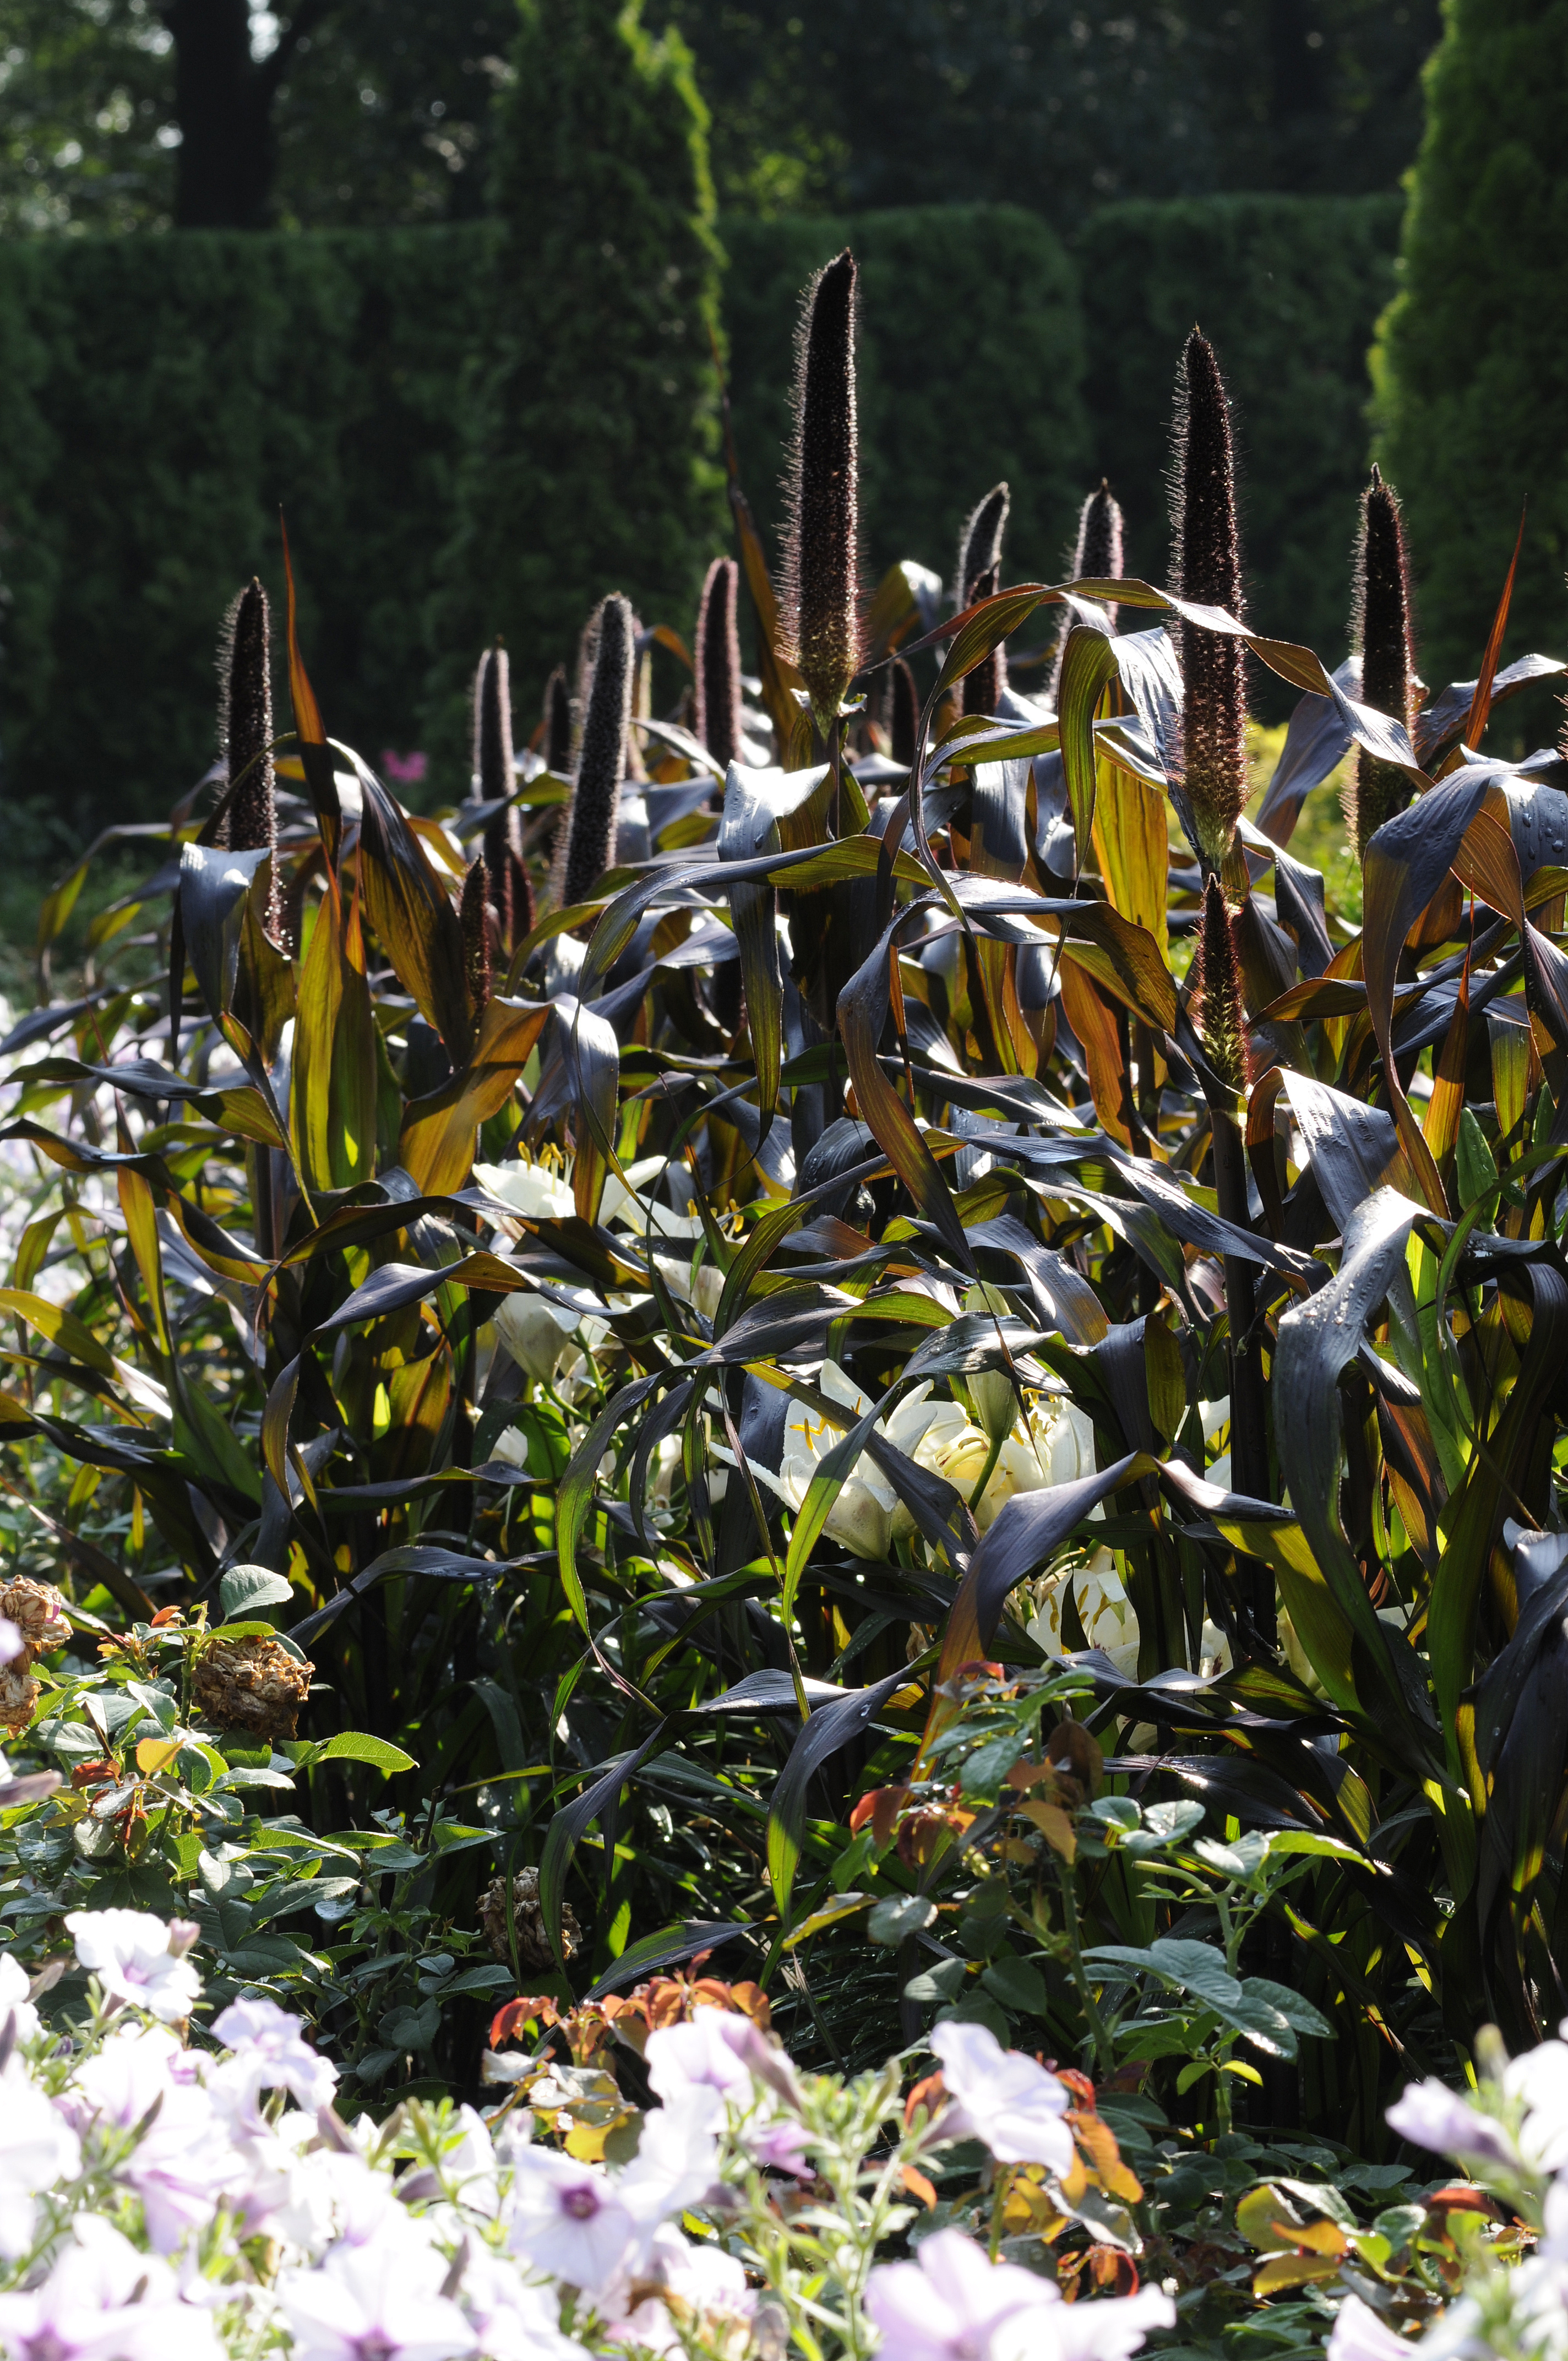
(797, 1412)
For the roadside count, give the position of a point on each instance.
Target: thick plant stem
(1104, 2051)
(1249, 1429)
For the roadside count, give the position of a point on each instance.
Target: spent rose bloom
(1003, 2098)
(140, 1958)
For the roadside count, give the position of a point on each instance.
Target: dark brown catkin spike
(980, 544)
(473, 909)
(557, 739)
(1097, 556)
(718, 716)
(493, 770)
(1222, 1017)
(904, 723)
(820, 608)
(982, 689)
(245, 727)
(1381, 626)
(494, 780)
(1208, 570)
(588, 844)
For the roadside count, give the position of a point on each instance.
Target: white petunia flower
(13, 1989)
(38, 2150)
(380, 2302)
(570, 2219)
(139, 1959)
(270, 2053)
(1003, 2098)
(103, 2301)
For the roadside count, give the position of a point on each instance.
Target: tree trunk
(223, 98)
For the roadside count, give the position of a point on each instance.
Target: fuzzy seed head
(588, 844)
(980, 545)
(245, 731)
(718, 716)
(820, 607)
(1097, 554)
(493, 772)
(1380, 626)
(557, 723)
(1221, 1010)
(473, 910)
(1208, 570)
(982, 689)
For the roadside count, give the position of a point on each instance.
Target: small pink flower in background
(780, 2147)
(11, 1642)
(403, 770)
(1003, 2098)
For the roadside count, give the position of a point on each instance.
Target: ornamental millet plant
(587, 842)
(1380, 625)
(718, 652)
(820, 607)
(1208, 571)
(245, 732)
(510, 893)
(978, 575)
(557, 723)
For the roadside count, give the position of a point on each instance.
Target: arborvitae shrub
(596, 421)
(1472, 361)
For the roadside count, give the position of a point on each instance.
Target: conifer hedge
(1473, 362)
(162, 398)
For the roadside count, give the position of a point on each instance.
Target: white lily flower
(1104, 1609)
(862, 1517)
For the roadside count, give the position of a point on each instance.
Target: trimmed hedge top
(160, 399)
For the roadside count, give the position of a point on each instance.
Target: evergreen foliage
(1472, 359)
(160, 399)
(596, 428)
